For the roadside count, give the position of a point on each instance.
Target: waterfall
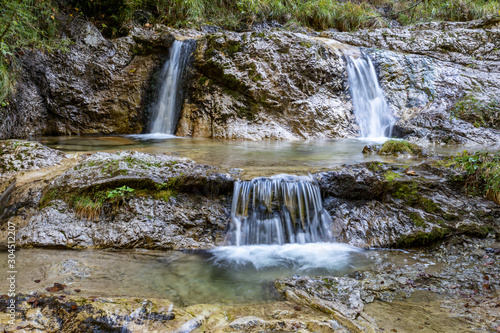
(165, 111)
(278, 210)
(370, 107)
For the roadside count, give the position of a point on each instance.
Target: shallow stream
(263, 158)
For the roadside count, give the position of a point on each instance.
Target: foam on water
(153, 136)
(299, 257)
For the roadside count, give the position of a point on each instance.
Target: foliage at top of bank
(112, 16)
(33, 24)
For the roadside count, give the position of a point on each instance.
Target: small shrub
(483, 173)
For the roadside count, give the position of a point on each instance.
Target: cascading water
(370, 107)
(166, 110)
(280, 223)
(278, 210)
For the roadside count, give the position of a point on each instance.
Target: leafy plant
(483, 172)
(24, 24)
(119, 192)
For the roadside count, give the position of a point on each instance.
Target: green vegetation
(409, 193)
(391, 147)
(25, 25)
(391, 175)
(33, 24)
(417, 219)
(113, 16)
(482, 173)
(421, 238)
(478, 113)
(92, 201)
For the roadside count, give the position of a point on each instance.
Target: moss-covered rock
(396, 147)
(18, 155)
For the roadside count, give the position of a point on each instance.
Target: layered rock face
(136, 200)
(122, 200)
(267, 85)
(425, 69)
(383, 205)
(95, 86)
(262, 84)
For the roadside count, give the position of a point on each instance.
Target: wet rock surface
(136, 200)
(96, 86)
(427, 68)
(175, 204)
(461, 271)
(17, 156)
(70, 313)
(267, 85)
(376, 204)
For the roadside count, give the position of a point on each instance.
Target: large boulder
(383, 205)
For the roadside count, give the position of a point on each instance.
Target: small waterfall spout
(165, 112)
(278, 210)
(370, 107)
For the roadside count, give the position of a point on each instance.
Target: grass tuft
(483, 173)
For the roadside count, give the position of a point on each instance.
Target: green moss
(257, 78)
(428, 205)
(90, 202)
(409, 193)
(417, 219)
(165, 195)
(391, 175)
(374, 166)
(202, 80)
(421, 238)
(392, 147)
(232, 47)
(474, 230)
(305, 44)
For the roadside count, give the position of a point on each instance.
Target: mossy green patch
(409, 193)
(421, 238)
(90, 202)
(417, 219)
(393, 147)
(202, 80)
(477, 112)
(391, 175)
(474, 230)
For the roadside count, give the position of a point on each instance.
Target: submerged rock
(459, 274)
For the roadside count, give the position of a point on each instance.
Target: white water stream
(166, 110)
(370, 107)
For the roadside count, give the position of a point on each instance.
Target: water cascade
(370, 107)
(165, 112)
(278, 210)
